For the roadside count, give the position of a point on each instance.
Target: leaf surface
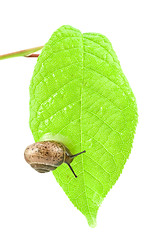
(80, 96)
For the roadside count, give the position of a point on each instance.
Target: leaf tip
(92, 222)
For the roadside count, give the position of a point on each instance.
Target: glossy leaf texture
(80, 96)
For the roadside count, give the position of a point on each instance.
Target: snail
(46, 156)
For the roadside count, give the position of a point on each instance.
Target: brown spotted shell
(47, 155)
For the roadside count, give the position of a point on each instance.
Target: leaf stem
(22, 53)
(32, 55)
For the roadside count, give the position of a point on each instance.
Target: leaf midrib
(81, 93)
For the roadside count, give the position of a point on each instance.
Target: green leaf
(80, 96)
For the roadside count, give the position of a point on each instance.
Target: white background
(33, 206)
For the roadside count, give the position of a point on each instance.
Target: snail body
(48, 155)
